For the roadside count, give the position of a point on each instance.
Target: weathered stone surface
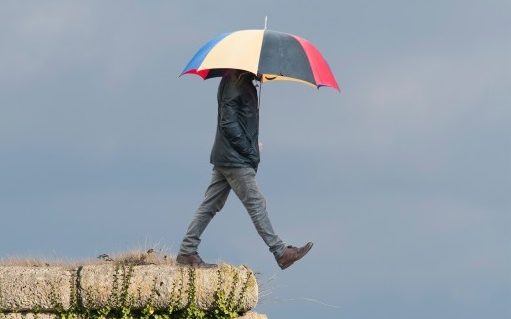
(163, 286)
(238, 285)
(117, 286)
(24, 288)
(248, 315)
(114, 285)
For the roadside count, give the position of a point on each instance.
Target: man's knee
(212, 206)
(207, 211)
(249, 194)
(256, 206)
(261, 202)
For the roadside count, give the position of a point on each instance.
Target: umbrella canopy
(270, 54)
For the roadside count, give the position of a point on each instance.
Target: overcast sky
(402, 181)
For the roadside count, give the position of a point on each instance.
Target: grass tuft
(132, 257)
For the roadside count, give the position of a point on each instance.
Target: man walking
(235, 156)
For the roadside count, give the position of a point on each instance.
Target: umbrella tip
(265, 22)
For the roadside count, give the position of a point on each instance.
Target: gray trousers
(242, 182)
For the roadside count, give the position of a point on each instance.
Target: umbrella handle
(260, 90)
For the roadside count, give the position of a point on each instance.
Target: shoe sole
(307, 249)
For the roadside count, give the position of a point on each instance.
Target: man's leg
(214, 200)
(243, 183)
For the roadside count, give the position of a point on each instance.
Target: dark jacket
(236, 141)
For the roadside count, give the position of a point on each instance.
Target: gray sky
(402, 181)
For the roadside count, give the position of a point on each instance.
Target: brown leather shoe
(292, 254)
(193, 260)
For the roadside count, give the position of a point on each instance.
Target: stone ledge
(55, 289)
(248, 315)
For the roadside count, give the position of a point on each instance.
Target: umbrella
(269, 54)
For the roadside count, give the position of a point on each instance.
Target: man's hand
(253, 161)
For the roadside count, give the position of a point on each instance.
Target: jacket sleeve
(231, 128)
